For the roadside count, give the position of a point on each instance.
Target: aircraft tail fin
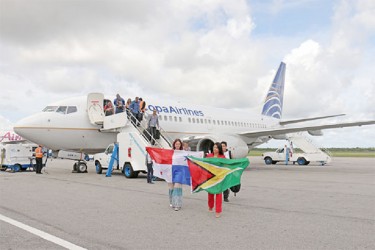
(273, 104)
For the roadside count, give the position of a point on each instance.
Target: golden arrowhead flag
(215, 175)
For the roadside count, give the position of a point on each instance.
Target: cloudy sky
(212, 52)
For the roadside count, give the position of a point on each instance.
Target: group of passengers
(134, 109)
(218, 150)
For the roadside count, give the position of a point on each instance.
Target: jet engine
(315, 132)
(236, 145)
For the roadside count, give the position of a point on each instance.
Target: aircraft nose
(26, 127)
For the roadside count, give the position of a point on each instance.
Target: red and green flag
(215, 175)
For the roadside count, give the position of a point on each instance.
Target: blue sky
(211, 52)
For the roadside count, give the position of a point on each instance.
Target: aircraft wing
(283, 122)
(287, 130)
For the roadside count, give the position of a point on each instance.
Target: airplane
(70, 124)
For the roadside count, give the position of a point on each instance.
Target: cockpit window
(61, 109)
(71, 109)
(50, 109)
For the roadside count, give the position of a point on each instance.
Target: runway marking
(41, 234)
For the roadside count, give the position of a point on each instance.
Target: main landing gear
(80, 167)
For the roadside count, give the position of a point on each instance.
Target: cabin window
(214, 122)
(71, 109)
(170, 118)
(165, 118)
(175, 119)
(189, 120)
(193, 120)
(180, 119)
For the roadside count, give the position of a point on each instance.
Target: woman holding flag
(175, 189)
(217, 151)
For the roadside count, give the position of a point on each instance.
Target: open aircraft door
(95, 108)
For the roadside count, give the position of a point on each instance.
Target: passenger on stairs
(127, 107)
(134, 108)
(153, 125)
(108, 108)
(175, 189)
(119, 104)
(142, 108)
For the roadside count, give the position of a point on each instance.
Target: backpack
(235, 189)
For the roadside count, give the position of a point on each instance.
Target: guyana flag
(215, 174)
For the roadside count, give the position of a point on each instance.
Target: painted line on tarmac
(41, 234)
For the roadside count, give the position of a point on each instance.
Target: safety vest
(142, 106)
(38, 152)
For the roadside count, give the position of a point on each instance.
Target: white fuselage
(74, 131)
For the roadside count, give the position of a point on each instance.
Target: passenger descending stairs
(308, 146)
(132, 139)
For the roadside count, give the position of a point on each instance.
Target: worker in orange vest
(39, 159)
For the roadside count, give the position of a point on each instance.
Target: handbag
(157, 134)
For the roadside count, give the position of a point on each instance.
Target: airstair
(309, 147)
(132, 136)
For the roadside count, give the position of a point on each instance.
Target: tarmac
(278, 207)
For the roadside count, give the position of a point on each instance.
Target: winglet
(273, 104)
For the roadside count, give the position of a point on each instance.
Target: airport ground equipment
(311, 153)
(80, 166)
(17, 157)
(128, 153)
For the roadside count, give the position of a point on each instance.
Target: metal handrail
(141, 128)
(163, 133)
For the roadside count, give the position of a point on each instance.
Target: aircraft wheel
(129, 172)
(81, 167)
(75, 166)
(99, 168)
(268, 160)
(301, 161)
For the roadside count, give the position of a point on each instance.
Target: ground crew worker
(39, 159)
(286, 155)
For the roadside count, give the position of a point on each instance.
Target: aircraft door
(95, 108)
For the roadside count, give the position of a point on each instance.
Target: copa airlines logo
(175, 110)
(273, 105)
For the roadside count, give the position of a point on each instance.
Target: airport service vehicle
(17, 157)
(102, 160)
(301, 158)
